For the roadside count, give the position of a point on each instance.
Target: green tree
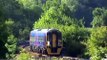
(29, 4)
(6, 30)
(11, 45)
(51, 3)
(82, 9)
(97, 43)
(55, 16)
(23, 13)
(100, 18)
(3, 36)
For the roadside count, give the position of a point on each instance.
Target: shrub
(97, 43)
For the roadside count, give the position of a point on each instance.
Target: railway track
(38, 56)
(55, 58)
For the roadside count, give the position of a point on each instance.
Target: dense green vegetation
(97, 43)
(82, 23)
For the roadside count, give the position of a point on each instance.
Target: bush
(97, 43)
(24, 55)
(11, 46)
(73, 39)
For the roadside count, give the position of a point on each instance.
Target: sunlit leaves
(28, 3)
(97, 43)
(71, 4)
(24, 56)
(9, 22)
(11, 40)
(100, 17)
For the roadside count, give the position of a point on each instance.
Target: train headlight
(48, 43)
(59, 43)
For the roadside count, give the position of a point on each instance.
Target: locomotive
(46, 41)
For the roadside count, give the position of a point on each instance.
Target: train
(46, 41)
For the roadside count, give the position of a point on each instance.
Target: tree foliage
(56, 16)
(3, 35)
(99, 17)
(97, 43)
(24, 55)
(6, 40)
(11, 46)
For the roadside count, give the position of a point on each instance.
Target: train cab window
(59, 39)
(59, 36)
(49, 38)
(54, 40)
